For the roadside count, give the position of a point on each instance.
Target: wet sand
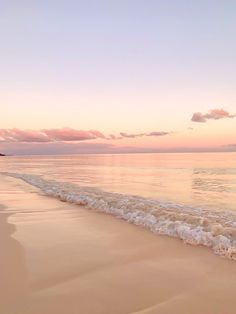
(58, 258)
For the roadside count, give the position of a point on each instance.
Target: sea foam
(196, 226)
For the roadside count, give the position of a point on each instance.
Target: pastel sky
(98, 76)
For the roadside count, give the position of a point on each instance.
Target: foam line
(196, 226)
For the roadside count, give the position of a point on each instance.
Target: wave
(196, 226)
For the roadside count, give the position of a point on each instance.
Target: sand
(61, 258)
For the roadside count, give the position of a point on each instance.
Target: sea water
(190, 196)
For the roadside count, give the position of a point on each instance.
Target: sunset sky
(117, 76)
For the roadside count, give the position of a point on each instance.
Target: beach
(63, 258)
(118, 157)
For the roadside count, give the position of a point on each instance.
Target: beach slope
(61, 258)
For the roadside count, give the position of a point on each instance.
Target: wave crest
(196, 226)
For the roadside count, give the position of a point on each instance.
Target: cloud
(215, 114)
(68, 134)
(114, 137)
(155, 133)
(48, 135)
(198, 117)
(123, 134)
(158, 133)
(16, 135)
(64, 135)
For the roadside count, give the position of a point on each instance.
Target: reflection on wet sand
(13, 272)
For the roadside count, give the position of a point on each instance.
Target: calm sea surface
(206, 180)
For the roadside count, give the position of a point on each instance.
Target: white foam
(196, 226)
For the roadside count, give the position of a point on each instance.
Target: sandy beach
(118, 157)
(61, 258)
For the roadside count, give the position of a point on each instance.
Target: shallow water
(198, 179)
(188, 196)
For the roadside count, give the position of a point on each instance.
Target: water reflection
(181, 178)
(212, 180)
(212, 185)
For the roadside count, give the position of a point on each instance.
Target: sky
(114, 76)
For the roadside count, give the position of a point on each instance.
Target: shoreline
(62, 258)
(192, 225)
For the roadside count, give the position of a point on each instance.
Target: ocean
(191, 196)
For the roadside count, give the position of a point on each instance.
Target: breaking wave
(196, 226)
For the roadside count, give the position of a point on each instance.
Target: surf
(193, 225)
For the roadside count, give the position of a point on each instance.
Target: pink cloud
(215, 114)
(17, 135)
(48, 135)
(68, 134)
(198, 117)
(63, 135)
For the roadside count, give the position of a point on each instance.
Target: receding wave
(196, 226)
